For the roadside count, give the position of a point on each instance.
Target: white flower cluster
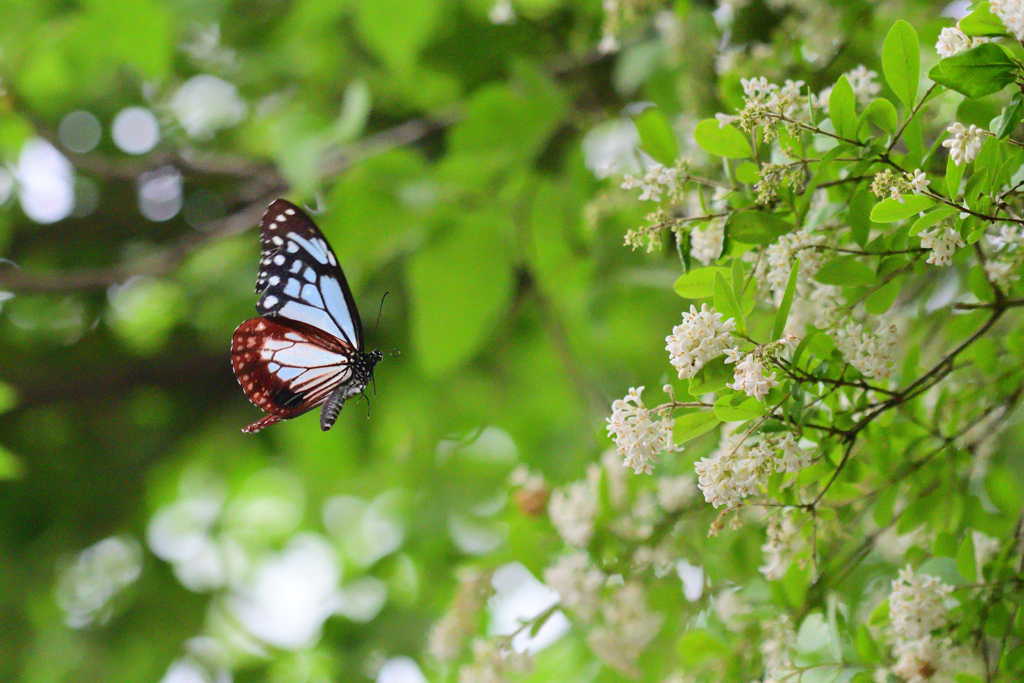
(917, 604)
(888, 183)
(820, 307)
(929, 660)
(943, 241)
(783, 542)
(493, 661)
(781, 254)
(572, 510)
(779, 641)
(449, 635)
(627, 629)
(862, 81)
(749, 375)
(917, 607)
(1011, 12)
(675, 492)
(953, 41)
(965, 143)
(702, 336)
(638, 437)
(657, 181)
(578, 583)
(1009, 238)
(706, 243)
(736, 469)
(1003, 266)
(872, 354)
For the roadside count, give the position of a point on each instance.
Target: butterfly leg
(260, 424)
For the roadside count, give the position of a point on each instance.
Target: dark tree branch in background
(264, 185)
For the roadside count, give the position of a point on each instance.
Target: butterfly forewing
(300, 278)
(287, 367)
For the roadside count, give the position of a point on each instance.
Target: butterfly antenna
(379, 311)
(394, 353)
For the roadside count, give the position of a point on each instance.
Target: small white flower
(701, 337)
(757, 89)
(952, 41)
(793, 458)
(943, 242)
(965, 143)
(919, 181)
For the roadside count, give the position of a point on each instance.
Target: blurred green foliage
(445, 158)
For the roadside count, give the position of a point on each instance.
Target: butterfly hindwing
(299, 276)
(286, 368)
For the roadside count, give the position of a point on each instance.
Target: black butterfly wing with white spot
(300, 278)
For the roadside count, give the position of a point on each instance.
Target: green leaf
(657, 137)
(692, 425)
(10, 466)
(738, 407)
(756, 227)
(456, 303)
(842, 108)
(944, 545)
(699, 645)
(845, 271)
(726, 141)
(355, 109)
(726, 303)
(711, 378)
(965, 559)
(932, 217)
(787, 301)
(981, 22)
(901, 62)
(954, 174)
(867, 650)
(1002, 125)
(860, 214)
(978, 72)
(891, 210)
(880, 112)
(748, 173)
(699, 283)
(879, 615)
(8, 397)
(396, 30)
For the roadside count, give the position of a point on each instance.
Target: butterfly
(306, 348)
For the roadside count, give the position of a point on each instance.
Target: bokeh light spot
(135, 130)
(80, 131)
